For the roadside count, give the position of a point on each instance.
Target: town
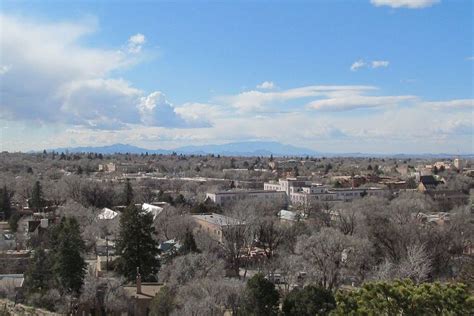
(87, 233)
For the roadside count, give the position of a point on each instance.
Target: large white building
(301, 191)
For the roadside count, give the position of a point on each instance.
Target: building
(300, 191)
(428, 183)
(458, 164)
(215, 224)
(108, 167)
(229, 197)
(141, 295)
(14, 261)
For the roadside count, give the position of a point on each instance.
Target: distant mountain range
(252, 148)
(256, 148)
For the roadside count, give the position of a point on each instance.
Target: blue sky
(381, 76)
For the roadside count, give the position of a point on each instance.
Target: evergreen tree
(5, 202)
(189, 244)
(261, 297)
(38, 277)
(36, 201)
(68, 247)
(404, 297)
(128, 193)
(136, 245)
(309, 301)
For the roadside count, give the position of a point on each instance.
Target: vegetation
(136, 245)
(406, 298)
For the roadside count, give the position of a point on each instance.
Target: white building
(303, 192)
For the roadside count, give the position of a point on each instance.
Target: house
(448, 198)
(153, 209)
(14, 261)
(141, 295)
(215, 224)
(107, 214)
(7, 241)
(288, 216)
(428, 183)
(11, 282)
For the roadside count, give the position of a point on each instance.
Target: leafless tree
(184, 269)
(328, 254)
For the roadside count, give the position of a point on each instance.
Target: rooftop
(218, 219)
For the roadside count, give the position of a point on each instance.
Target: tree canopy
(136, 245)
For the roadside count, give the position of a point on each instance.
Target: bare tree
(184, 269)
(328, 254)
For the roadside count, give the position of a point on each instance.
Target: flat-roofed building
(214, 224)
(229, 197)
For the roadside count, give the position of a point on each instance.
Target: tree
(189, 243)
(329, 254)
(39, 276)
(191, 267)
(261, 297)
(68, 248)
(163, 304)
(5, 202)
(136, 245)
(36, 201)
(309, 301)
(128, 193)
(13, 221)
(270, 234)
(403, 297)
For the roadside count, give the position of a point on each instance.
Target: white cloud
(355, 101)
(156, 110)
(380, 63)
(4, 69)
(410, 4)
(358, 64)
(266, 85)
(470, 58)
(451, 104)
(52, 77)
(257, 100)
(135, 43)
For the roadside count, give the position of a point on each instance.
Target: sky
(373, 76)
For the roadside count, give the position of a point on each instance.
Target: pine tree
(189, 243)
(5, 202)
(128, 193)
(261, 297)
(38, 277)
(36, 201)
(136, 245)
(68, 248)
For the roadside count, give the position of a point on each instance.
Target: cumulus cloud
(357, 64)
(52, 77)
(380, 63)
(410, 4)
(135, 43)
(156, 110)
(266, 85)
